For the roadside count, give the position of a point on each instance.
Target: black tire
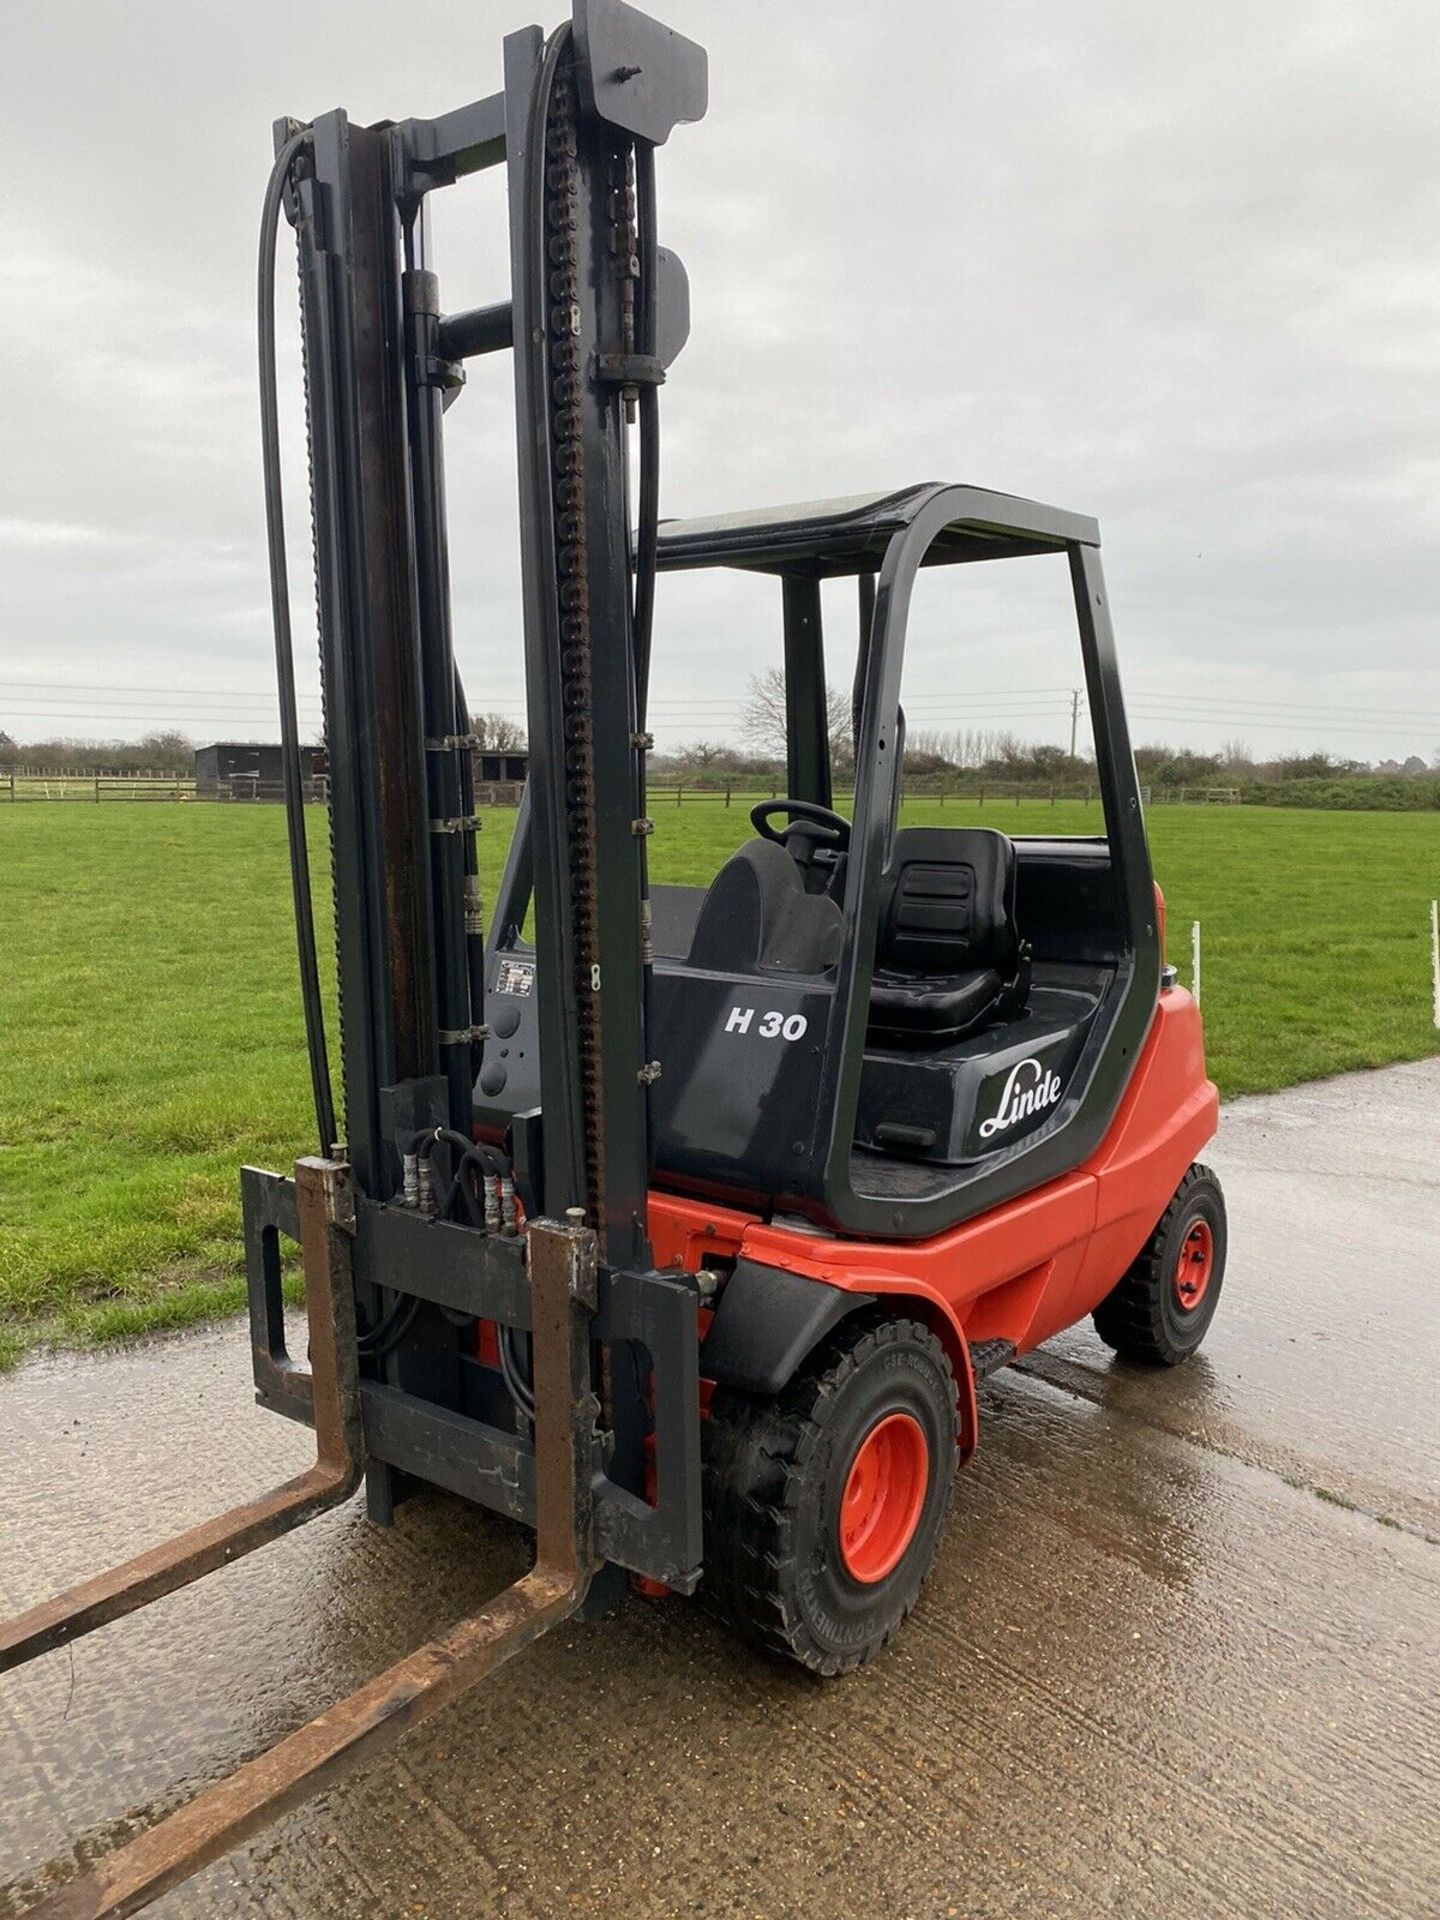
(775, 1471)
(1146, 1317)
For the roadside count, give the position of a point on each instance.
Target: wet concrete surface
(1178, 1657)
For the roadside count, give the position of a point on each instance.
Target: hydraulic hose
(391, 1329)
(474, 929)
(467, 1153)
(514, 1368)
(647, 540)
(374, 1342)
(312, 1002)
(421, 1142)
(648, 515)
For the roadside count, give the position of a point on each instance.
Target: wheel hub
(884, 1497)
(1194, 1266)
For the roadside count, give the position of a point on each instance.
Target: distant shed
(511, 765)
(500, 775)
(253, 770)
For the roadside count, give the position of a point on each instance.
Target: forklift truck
(682, 1232)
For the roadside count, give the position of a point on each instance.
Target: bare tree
(762, 718)
(930, 747)
(968, 748)
(497, 734)
(167, 751)
(1236, 756)
(703, 753)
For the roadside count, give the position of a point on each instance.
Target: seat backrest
(758, 914)
(947, 903)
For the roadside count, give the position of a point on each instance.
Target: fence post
(727, 793)
(679, 790)
(982, 796)
(942, 796)
(97, 789)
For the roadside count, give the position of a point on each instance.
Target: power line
(1230, 703)
(1296, 729)
(677, 708)
(232, 706)
(96, 688)
(211, 694)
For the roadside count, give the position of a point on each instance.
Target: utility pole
(1074, 717)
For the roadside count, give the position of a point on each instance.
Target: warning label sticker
(515, 976)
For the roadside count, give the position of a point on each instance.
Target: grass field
(150, 1037)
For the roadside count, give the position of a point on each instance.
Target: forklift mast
(575, 127)
(596, 311)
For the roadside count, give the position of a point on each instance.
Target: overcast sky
(1175, 266)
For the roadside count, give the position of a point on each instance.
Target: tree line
(172, 752)
(956, 758)
(971, 756)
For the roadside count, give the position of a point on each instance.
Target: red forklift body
(997, 1285)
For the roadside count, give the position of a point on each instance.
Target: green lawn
(152, 1040)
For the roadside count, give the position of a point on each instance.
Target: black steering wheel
(822, 826)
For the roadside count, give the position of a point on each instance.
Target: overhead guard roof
(850, 535)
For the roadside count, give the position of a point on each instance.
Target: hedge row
(1355, 794)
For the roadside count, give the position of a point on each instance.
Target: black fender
(767, 1321)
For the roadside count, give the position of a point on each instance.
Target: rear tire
(1162, 1309)
(823, 1505)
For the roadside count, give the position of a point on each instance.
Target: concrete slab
(1177, 1658)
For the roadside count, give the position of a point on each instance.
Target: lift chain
(566, 376)
(624, 243)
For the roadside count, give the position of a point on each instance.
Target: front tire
(1161, 1310)
(823, 1505)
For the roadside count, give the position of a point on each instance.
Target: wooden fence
(73, 785)
(95, 787)
(991, 794)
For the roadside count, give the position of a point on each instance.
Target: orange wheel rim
(1194, 1266)
(884, 1497)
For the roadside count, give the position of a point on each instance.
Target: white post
(1195, 960)
(1435, 954)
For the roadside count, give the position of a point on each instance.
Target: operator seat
(948, 955)
(757, 914)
